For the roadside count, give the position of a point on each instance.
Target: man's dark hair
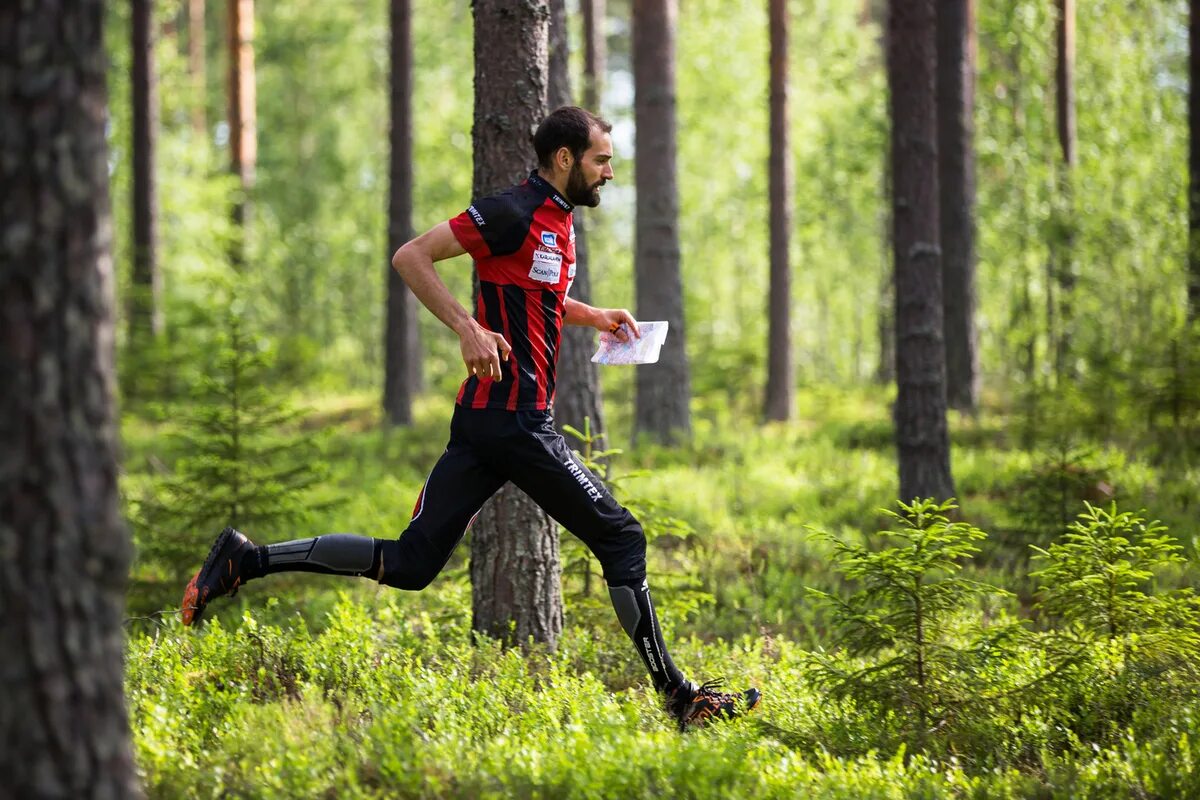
(570, 127)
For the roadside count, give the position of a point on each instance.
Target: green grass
(312, 686)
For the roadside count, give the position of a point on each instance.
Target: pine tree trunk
(578, 394)
(664, 389)
(197, 42)
(516, 573)
(594, 53)
(243, 140)
(956, 178)
(781, 370)
(922, 440)
(1194, 161)
(515, 568)
(145, 294)
(403, 376)
(64, 551)
(1062, 235)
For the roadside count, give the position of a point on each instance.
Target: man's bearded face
(579, 191)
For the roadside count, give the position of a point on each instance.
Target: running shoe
(695, 706)
(220, 575)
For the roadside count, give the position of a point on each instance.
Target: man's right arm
(481, 349)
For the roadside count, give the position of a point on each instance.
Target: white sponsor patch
(571, 271)
(572, 230)
(546, 266)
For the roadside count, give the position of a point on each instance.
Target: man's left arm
(603, 319)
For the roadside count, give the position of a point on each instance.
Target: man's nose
(607, 174)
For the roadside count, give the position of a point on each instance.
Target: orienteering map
(636, 351)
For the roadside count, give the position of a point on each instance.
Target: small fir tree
(918, 659)
(241, 466)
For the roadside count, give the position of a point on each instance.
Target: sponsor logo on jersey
(571, 271)
(547, 266)
(475, 215)
(572, 231)
(549, 238)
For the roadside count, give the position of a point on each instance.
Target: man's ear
(563, 158)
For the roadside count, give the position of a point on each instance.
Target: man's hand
(611, 320)
(482, 350)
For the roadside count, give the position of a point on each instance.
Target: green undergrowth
(382, 702)
(316, 686)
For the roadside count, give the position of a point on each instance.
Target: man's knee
(624, 557)
(408, 573)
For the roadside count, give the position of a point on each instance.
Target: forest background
(316, 686)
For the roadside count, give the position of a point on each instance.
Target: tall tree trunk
(1062, 236)
(403, 376)
(64, 551)
(516, 591)
(956, 177)
(781, 369)
(921, 436)
(594, 53)
(197, 41)
(578, 394)
(663, 389)
(145, 296)
(243, 140)
(1194, 161)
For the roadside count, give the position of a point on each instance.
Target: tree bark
(1062, 235)
(578, 394)
(516, 590)
(243, 138)
(594, 53)
(663, 389)
(781, 369)
(1193, 309)
(403, 375)
(921, 436)
(64, 551)
(197, 41)
(145, 295)
(956, 179)
(516, 573)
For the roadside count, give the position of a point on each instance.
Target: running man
(522, 241)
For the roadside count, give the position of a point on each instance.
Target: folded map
(635, 351)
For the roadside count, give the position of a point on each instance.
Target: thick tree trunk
(781, 370)
(516, 573)
(1062, 235)
(1194, 161)
(663, 389)
(243, 139)
(594, 53)
(145, 294)
(956, 177)
(578, 394)
(515, 569)
(403, 376)
(922, 440)
(197, 41)
(64, 551)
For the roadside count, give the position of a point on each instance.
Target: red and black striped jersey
(523, 243)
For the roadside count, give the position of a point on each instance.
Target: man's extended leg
(544, 467)
(456, 488)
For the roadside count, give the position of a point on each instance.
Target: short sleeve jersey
(522, 241)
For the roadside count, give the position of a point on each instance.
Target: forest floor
(314, 686)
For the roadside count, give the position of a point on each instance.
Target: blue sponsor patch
(549, 238)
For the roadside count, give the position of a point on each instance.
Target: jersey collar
(548, 189)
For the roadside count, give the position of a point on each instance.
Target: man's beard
(578, 190)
